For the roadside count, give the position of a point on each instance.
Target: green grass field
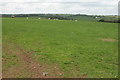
(80, 49)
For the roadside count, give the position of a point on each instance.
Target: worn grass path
(29, 67)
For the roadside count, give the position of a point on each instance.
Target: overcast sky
(94, 7)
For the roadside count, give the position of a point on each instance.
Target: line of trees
(112, 20)
(51, 16)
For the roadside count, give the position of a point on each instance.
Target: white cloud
(49, 0)
(60, 1)
(60, 6)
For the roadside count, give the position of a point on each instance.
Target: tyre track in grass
(29, 66)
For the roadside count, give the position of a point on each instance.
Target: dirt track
(29, 68)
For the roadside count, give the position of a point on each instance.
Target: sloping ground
(73, 46)
(21, 64)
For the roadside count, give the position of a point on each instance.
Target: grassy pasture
(77, 47)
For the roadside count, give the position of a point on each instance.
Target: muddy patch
(109, 40)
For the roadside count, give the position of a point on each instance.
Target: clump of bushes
(111, 20)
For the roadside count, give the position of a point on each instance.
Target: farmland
(62, 48)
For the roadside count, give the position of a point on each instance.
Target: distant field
(83, 18)
(61, 48)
